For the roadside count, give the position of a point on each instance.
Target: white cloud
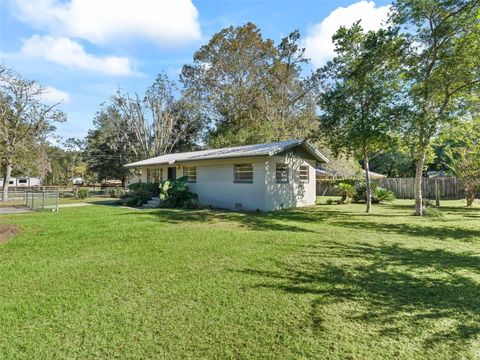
(103, 21)
(318, 43)
(69, 53)
(53, 95)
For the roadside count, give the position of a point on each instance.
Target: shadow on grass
(447, 231)
(401, 291)
(286, 220)
(301, 220)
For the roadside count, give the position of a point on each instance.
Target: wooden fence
(449, 187)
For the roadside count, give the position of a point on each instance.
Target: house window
(22, 181)
(161, 174)
(304, 173)
(281, 173)
(243, 173)
(191, 173)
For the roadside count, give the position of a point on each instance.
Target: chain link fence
(35, 199)
(40, 200)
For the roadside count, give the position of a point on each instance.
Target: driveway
(13, 210)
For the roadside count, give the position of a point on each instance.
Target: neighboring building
(78, 181)
(254, 177)
(23, 181)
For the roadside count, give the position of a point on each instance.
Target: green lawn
(327, 282)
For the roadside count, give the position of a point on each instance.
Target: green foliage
(250, 90)
(140, 193)
(431, 211)
(175, 193)
(379, 194)
(382, 195)
(116, 192)
(440, 65)
(346, 191)
(83, 193)
(361, 191)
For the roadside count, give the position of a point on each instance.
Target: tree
(73, 152)
(442, 66)
(358, 101)
(464, 159)
(250, 90)
(129, 128)
(155, 124)
(23, 118)
(106, 148)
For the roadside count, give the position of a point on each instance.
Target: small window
(191, 173)
(243, 173)
(10, 182)
(22, 181)
(304, 173)
(281, 173)
(161, 174)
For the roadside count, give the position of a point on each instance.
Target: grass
(325, 282)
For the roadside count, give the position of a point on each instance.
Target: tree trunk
(470, 196)
(367, 183)
(6, 180)
(418, 182)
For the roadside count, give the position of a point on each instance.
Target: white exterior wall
(215, 185)
(294, 193)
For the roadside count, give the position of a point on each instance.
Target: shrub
(361, 188)
(346, 191)
(83, 193)
(382, 195)
(175, 194)
(115, 192)
(140, 193)
(149, 188)
(432, 212)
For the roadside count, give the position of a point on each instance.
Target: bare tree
(157, 123)
(23, 117)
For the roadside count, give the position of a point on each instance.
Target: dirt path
(6, 232)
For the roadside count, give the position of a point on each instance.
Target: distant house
(254, 177)
(22, 182)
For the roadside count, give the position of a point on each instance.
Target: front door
(172, 173)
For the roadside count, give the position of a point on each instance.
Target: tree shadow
(296, 220)
(418, 229)
(401, 291)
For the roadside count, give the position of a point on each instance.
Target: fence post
(43, 199)
(33, 200)
(57, 200)
(437, 194)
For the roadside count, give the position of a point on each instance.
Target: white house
(254, 177)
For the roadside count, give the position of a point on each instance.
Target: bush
(432, 212)
(346, 192)
(115, 192)
(149, 188)
(83, 193)
(176, 194)
(382, 195)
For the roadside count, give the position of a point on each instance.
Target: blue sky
(83, 50)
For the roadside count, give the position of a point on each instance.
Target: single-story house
(253, 177)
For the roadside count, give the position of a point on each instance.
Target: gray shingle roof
(231, 152)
